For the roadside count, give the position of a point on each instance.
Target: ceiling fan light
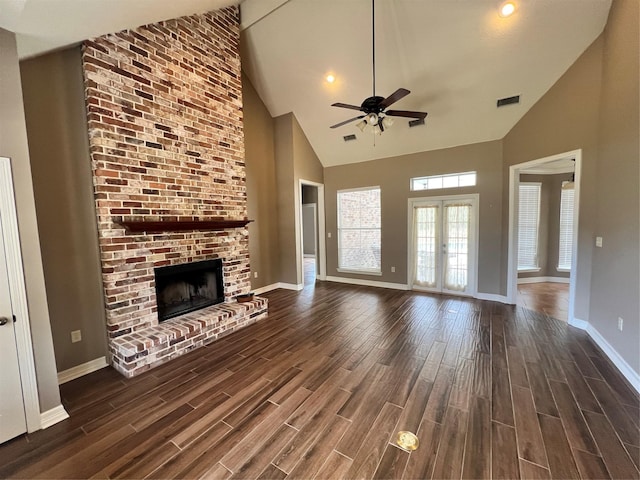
(377, 130)
(387, 122)
(372, 119)
(362, 124)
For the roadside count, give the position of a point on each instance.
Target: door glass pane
(426, 256)
(456, 258)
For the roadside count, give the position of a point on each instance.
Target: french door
(443, 244)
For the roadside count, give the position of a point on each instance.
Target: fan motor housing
(372, 105)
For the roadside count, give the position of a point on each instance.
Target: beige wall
(615, 282)
(62, 182)
(295, 161)
(594, 106)
(393, 175)
(549, 226)
(262, 206)
(564, 119)
(13, 144)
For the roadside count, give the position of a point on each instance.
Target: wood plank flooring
(321, 388)
(550, 298)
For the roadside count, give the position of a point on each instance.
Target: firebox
(187, 287)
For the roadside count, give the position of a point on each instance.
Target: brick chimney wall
(164, 107)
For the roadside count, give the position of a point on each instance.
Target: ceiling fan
(374, 108)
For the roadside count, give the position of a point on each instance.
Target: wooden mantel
(155, 226)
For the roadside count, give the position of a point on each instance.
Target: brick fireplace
(164, 109)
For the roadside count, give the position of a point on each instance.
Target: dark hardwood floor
(550, 298)
(321, 388)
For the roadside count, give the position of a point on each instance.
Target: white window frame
(454, 177)
(566, 228)
(360, 271)
(533, 267)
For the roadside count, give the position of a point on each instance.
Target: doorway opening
(311, 256)
(543, 234)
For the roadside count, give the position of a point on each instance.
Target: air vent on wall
(416, 122)
(508, 100)
(348, 138)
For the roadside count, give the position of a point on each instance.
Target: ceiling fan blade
(405, 113)
(346, 105)
(394, 97)
(347, 121)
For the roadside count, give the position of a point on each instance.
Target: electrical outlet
(393, 269)
(328, 234)
(76, 336)
(620, 323)
(255, 274)
(599, 242)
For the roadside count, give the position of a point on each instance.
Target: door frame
(512, 263)
(321, 254)
(473, 275)
(18, 295)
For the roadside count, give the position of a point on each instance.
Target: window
(566, 227)
(359, 230)
(453, 180)
(528, 220)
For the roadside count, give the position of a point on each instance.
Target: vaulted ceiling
(457, 57)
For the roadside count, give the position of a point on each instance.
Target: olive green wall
(62, 182)
(549, 226)
(262, 206)
(13, 144)
(393, 176)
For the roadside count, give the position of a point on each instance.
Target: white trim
(375, 273)
(621, 364)
(53, 416)
(512, 245)
(472, 290)
(81, 370)
(8, 216)
(266, 288)
(368, 283)
(309, 255)
(492, 297)
(291, 286)
(544, 279)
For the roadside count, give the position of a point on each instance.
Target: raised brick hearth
(164, 107)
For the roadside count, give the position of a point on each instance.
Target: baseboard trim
(81, 370)
(621, 364)
(543, 279)
(367, 283)
(491, 297)
(53, 416)
(291, 286)
(266, 288)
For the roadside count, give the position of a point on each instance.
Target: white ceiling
(456, 56)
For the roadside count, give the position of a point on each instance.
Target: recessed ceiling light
(330, 78)
(507, 9)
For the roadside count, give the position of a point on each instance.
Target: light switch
(329, 234)
(598, 241)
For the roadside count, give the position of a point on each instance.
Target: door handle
(3, 321)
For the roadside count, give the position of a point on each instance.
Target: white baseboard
(291, 286)
(53, 416)
(368, 283)
(81, 370)
(274, 286)
(544, 279)
(621, 364)
(266, 288)
(492, 297)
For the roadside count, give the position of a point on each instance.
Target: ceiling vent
(348, 138)
(508, 101)
(416, 122)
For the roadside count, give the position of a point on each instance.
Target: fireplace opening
(187, 287)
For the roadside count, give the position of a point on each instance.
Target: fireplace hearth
(188, 287)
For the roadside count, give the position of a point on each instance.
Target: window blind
(528, 222)
(566, 229)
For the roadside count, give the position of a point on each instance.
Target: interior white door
(444, 246)
(13, 421)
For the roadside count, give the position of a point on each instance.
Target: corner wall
(13, 144)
